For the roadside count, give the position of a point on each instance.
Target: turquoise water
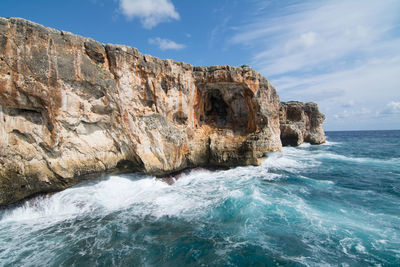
(333, 204)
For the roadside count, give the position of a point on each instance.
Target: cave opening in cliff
(215, 109)
(226, 106)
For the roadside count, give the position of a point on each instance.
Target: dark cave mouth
(226, 106)
(216, 110)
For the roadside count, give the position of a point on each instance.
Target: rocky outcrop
(301, 122)
(71, 107)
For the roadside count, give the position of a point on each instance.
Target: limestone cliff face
(301, 122)
(70, 107)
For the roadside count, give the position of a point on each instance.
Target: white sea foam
(330, 143)
(290, 159)
(360, 248)
(305, 145)
(191, 194)
(357, 159)
(151, 196)
(277, 160)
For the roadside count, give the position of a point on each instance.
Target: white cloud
(353, 113)
(373, 80)
(218, 30)
(150, 12)
(166, 44)
(342, 54)
(316, 33)
(392, 107)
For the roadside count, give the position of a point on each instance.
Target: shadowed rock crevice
(180, 117)
(95, 51)
(129, 165)
(32, 115)
(24, 136)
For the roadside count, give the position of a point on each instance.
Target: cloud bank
(150, 12)
(331, 52)
(392, 107)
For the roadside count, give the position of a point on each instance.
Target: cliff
(301, 122)
(71, 107)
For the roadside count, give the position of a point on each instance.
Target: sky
(342, 54)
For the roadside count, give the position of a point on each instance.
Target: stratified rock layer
(301, 122)
(70, 107)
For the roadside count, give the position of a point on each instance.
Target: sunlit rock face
(301, 122)
(71, 107)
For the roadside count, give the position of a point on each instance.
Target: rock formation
(301, 122)
(70, 107)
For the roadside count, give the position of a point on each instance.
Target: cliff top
(125, 48)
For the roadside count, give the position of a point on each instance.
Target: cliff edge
(71, 107)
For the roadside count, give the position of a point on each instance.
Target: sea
(336, 204)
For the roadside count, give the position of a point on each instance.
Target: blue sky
(342, 54)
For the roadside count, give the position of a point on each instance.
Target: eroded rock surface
(70, 106)
(301, 122)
